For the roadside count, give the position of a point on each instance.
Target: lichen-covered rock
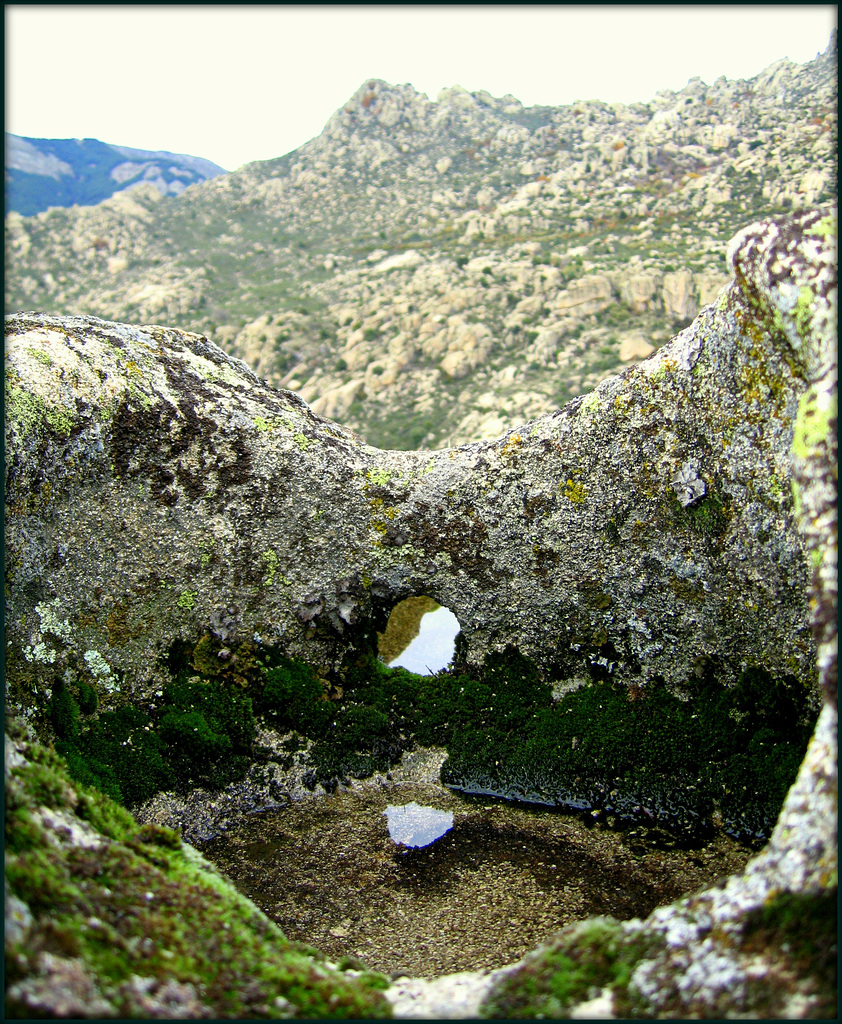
(158, 493)
(155, 486)
(113, 919)
(764, 942)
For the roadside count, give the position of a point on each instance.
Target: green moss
(200, 735)
(103, 814)
(207, 730)
(64, 713)
(707, 517)
(88, 700)
(802, 928)
(197, 741)
(574, 967)
(121, 755)
(145, 905)
(187, 599)
(636, 752)
(294, 697)
(365, 731)
(46, 785)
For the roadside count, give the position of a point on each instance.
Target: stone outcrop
(678, 521)
(156, 486)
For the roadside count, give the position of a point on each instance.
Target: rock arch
(154, 484)
(157, 491)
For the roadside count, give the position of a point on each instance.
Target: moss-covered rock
(125, 920)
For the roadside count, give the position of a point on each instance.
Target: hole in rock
(420, 636)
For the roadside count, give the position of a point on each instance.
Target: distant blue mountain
(65, 172)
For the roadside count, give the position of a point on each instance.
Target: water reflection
(414, 825)
(432, 650)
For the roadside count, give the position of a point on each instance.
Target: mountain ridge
(432, 271)
(87, 171)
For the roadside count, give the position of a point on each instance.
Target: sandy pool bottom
(501, 881)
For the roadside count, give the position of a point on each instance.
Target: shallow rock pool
(498, 882)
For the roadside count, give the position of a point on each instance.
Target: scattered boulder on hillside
(509, 208)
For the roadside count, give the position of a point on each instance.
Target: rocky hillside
(434, 272)
(41, 173)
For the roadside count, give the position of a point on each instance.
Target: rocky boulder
(677, 523)
(648, 529)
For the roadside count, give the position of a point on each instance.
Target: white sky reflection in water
(414, 825)
(433, 648)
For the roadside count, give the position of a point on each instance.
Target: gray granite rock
(157, 491)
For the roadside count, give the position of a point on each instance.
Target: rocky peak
(598, 226)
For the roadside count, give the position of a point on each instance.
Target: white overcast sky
(240, 83)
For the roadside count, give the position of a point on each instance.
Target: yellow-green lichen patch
(378, 477)
(40, 355)
(804, 312)
(826, 228)
(511, 446)
(187, 599)
(301, 441)
(263, 425)
(591, 403)
(206, 553)
(816, 415)
(271, 562)
(796, 497)
(30, 413)
(574, 491)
